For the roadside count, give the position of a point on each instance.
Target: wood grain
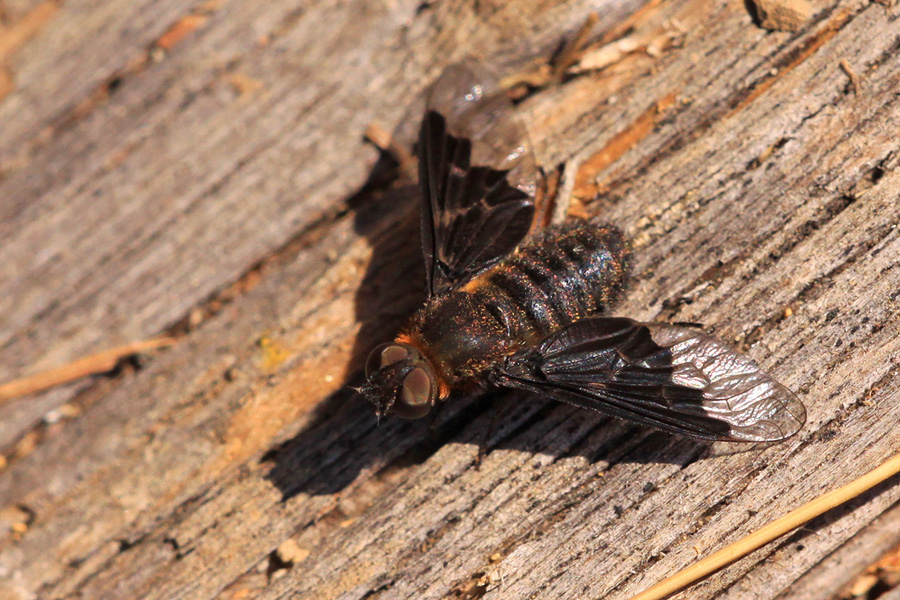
(215, 185)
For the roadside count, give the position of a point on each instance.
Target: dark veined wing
(669, 377)
(477, 177)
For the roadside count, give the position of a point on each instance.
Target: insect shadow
(343, 437)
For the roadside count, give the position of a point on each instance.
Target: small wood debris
(14, 521)
(244, 84)
(95, 364)
(379, 136)
(26, 444)
(384, 141)
(783, 15)
(66, 411)
(652, 44)
(599, 58)
(180, 30)
(289, 552)
(854, 78)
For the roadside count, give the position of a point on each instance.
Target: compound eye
(416, 395)
(384, 355)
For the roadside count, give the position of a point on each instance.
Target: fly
(516, 308)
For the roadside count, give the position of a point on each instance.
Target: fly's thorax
(462, 334)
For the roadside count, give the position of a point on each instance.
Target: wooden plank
(749, 175)
(185, 177)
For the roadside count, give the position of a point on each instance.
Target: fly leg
(433, 417)
(500, 407)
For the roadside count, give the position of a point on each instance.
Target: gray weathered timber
(182, 183)
(760, 190)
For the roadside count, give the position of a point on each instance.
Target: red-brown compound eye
(416, 395)
(384, 355)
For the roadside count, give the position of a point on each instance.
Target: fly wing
(669, 377)
(476, 174)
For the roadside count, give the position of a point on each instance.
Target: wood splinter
(94, 364)
(770, 532)
(783, 15)
(854, 78)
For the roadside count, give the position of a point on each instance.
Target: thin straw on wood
(90, 365)
(775, 529)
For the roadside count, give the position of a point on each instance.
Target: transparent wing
(477, 177)
(669, 377)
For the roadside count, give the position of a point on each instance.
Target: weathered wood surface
(153, 154)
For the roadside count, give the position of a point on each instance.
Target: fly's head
(399, 381)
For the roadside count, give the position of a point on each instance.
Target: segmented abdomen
(563, 274)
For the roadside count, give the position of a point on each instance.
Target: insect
(516, 308)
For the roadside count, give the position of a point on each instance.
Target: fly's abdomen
(563, 274)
